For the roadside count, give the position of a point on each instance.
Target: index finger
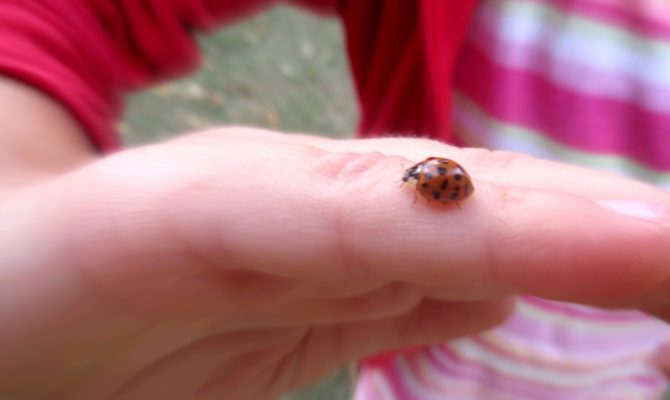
(335, 211)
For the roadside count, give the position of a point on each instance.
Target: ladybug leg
(459, 205)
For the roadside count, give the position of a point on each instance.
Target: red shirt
(88, 53)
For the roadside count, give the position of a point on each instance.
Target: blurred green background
(284, 69)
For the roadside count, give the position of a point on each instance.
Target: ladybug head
(411, 174)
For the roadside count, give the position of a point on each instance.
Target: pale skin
(242, 264)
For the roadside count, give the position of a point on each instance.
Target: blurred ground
(285, 70)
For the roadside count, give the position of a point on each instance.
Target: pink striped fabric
(580, 81)
(644, 17)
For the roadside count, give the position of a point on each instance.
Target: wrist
(39, 138)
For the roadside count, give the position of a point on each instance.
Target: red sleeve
(402, 55)
(87, 53)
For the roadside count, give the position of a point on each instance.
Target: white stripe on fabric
(476, 354)
(373, 380)
(527, 29)
(561, 354)
(476, 128)
(587, 325)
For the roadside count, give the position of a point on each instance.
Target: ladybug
(440, 179)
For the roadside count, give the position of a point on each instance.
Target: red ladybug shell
(440, 179)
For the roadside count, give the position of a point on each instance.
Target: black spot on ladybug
(441, 170)
(425, 184)
(436, 195)
(458, 176)
(454, 195)
(445, 184)
(457, 189)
